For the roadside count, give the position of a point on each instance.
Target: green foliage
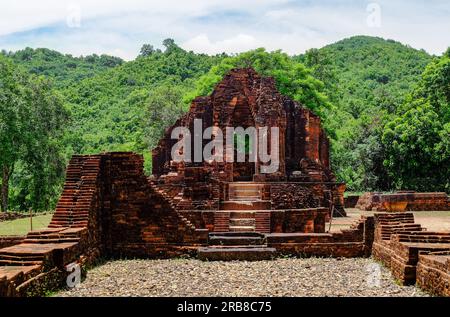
(146, 50)
(66, 70)
(32, 117)
(292, 78)
(367, 80)
(164, 107)
(385, 109)
(109, 108)
(417, 141)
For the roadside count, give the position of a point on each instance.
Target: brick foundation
(413, 254)
(404, 201)
(7, 241)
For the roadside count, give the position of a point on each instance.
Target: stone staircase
(244, 211)
(174, 202)
(47, 250)
(72, 209)
(234, 246)
(240, 226)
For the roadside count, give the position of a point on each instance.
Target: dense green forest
(384, 105)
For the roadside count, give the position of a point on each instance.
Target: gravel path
(282, 277)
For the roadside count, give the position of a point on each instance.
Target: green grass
(22, 226)
(436, 213)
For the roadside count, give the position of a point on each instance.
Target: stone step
(242, 214)
(19, 262)
(242, 222)
(245, 193)
(235, 240)
(19, 257)
(242, 228)
(245, 190)
(243, 253)
(245, 198)
(245, 205)
(57, 240)
(237, 234)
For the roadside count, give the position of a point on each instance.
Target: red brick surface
(404, 246)
(404, 201)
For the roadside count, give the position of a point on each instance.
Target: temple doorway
(242, 117)
(243, 171)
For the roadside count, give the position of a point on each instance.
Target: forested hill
(64, 69)
(363, 87)
(374, 71)
(367, 79)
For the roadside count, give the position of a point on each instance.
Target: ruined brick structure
(109, 208)
(413, 254)
(403, 201)
(245, 99)
(215, 211)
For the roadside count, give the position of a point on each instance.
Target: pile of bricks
(401, 245)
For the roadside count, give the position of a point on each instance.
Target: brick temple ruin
(406, 200)
(211, 210)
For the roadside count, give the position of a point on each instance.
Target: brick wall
(6, 241)
(354, 242)
(404, 201)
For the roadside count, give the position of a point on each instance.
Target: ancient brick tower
(303, 179)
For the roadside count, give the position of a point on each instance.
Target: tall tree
(32, 118)
(417, 141)
(146, 50)
(11, 115)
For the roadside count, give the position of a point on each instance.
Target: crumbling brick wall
(6, 241)
(291, 195)
(404, 201)
(243, 98)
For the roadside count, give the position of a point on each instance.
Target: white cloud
(213, 26)
(239, 43)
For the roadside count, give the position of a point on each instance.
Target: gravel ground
(281, 277)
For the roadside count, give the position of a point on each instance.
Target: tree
(32, 118)
(164, 107)
(417, 141)
(170, 46)
(321, 66)
(146, 50)
(11, 115)
(292, 78)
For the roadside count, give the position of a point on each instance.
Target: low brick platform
(7, 241)
(234, 246)
(400, 244)
(404, 201)
(433, 273)
(353, 242)
(242, 253)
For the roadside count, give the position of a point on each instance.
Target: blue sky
(210, 26)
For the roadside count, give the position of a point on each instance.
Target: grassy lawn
(22, 226)
(431, 213)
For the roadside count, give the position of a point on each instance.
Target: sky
(120, 28)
